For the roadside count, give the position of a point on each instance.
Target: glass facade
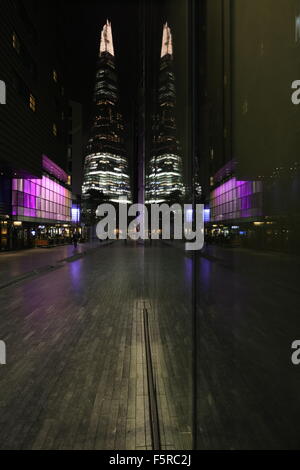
(166, 348)
(236, 199)
(107, 173)
(168, 273)
(165, 178)
(41, 199)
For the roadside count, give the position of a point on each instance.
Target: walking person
(75, 240)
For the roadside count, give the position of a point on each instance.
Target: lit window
(16, 43)
(32, 102)
(54, 130)
(55, 76)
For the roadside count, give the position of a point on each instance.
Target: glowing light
(167, 41)
(75, 214)
(236, 199)
(206, 214)
(189, 215)
(99, 175)
(41, 198)
(106, 43)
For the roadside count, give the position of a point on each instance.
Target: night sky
(85, 21)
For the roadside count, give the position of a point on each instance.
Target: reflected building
(248, 157)
(164, 175)
(106, 165)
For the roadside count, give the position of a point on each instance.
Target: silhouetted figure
(75, 240)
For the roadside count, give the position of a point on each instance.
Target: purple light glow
(206, 214)
(189, 215)
(41, 198)
(236, 199)
(75, 214)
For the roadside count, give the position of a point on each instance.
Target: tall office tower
(164, 178)
(106, 164)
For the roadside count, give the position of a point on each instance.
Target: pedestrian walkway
(18, 263)
(76, 373)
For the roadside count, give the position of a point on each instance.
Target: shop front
(26, 234)
(4, 234)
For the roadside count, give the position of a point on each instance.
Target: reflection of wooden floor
(76, 375)
(169, 290)
(173, 404)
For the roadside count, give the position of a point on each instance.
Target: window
(54, 130)
(32, 103)
(55, 76)
(16, 43)
(34, 199)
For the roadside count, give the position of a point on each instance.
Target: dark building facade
(164, 174)
(106, 164)
(34, 118)
(75, 148)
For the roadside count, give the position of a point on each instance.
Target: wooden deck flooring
(76, 376)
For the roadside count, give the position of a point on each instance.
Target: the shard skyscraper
(164, 180)
(106, 164)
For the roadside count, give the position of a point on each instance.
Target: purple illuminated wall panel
(236, 199)
(41, 199)
(75, 214)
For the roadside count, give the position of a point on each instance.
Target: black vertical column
(193, 151)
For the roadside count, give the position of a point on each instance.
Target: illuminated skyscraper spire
(106, 163)
(106, 43)
(164, 180)
(167, 41)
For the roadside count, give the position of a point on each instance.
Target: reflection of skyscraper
(106, 165)
(164, 178)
